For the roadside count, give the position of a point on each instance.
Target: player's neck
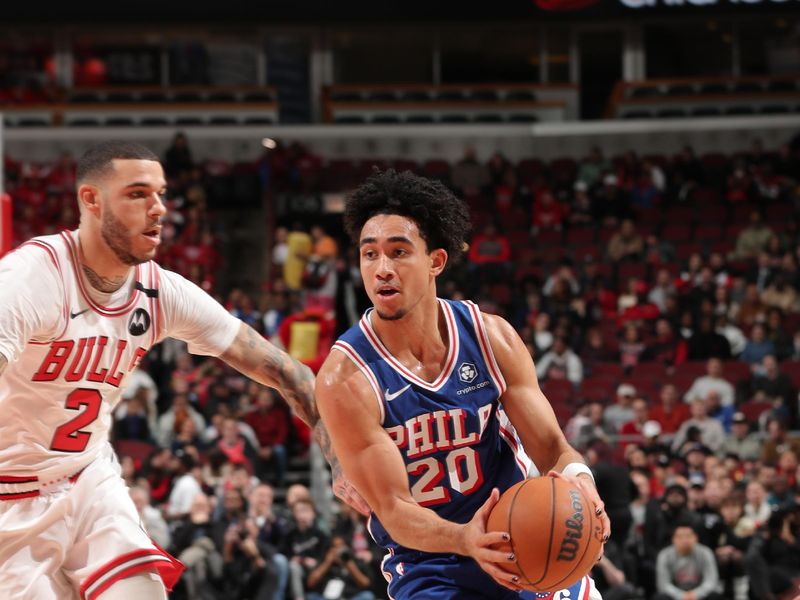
(103, 270)
(422, 332)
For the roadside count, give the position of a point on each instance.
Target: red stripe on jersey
(106, 311)
(14, 479)
(362, 366)
(168, 567)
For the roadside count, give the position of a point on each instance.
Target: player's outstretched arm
(532, 416)
(371, 460)
(254, 356)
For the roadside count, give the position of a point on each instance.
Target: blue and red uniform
(457, 444)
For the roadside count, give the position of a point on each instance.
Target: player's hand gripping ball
(556, 536)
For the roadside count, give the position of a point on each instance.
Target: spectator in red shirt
(667, 348)
(271, 425)
(548, 213)
(490, 254)
(671, 413)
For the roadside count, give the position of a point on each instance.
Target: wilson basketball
(555, 535)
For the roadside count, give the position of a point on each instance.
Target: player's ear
(438, 261)
(88, 198)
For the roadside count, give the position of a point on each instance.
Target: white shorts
(75, 539)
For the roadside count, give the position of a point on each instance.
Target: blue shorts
(417, 575)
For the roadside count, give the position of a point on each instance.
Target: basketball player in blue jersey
(426, 401)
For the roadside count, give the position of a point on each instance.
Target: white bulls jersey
(70, 350)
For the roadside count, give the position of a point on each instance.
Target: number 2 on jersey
(69, 437)
(462, 468)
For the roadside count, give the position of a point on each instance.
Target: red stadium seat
(736, 370)
(629, 270)
(580, 235)
(680, 215)
(708, 232)
(684, 250)
(753, 409)
(676, 233)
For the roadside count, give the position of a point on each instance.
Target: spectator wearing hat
(619, 413)
(671, 412)
(694, 454)
(661, 516)
(740, 441)
(686, 570)
(710, 431)
(713, 380)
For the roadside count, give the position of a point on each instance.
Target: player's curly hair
(442, 218)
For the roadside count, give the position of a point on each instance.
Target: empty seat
(33, 122)
(454, 118)
(644, 92)
(83, 98)
(740, 110)
(747, 87)
(451, 96)
(680, 90)
(521, 96)
(153, 97)
(483, 95)
(263, 120)
(189, 120)
(713, 88)
(522, 118)
(259, 97)
(223, 120)
(346, 97)
(119, 97)
(637, 114)
(382, 97)
(774, 109)
(671, 113)
(709, 231)
(187, 97)
(84, 122)
(419, 119)
(221, 97)
(386, 119)
(416, 96)
(349, 120)
(706, 111)
(119, 121)
(782, 86)
(154, 121)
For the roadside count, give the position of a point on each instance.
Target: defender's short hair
(97, 160)
(442, 219)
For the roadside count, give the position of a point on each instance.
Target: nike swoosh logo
(391, 396)
(72, 315)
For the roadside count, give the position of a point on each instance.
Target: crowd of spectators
(658, 296)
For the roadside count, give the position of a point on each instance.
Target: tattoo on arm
(3, 363)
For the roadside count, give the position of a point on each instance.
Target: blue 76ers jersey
(456, 441)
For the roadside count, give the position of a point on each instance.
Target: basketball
(555, 535)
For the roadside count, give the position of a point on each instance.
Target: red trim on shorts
(19, 495)
(168, 567)
(13, 479)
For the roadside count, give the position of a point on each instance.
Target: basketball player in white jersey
(78, 311)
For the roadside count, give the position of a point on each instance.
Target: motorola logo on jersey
(139, 322)
(467, 372)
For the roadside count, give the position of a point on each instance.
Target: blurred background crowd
(658, 296)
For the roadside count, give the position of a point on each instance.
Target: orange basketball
(555, 535)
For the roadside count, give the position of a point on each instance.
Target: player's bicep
(524, 402)
(369, 457)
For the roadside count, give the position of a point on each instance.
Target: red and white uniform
(66, 520)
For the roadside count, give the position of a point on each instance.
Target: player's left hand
(586, 485)
(345, 491)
